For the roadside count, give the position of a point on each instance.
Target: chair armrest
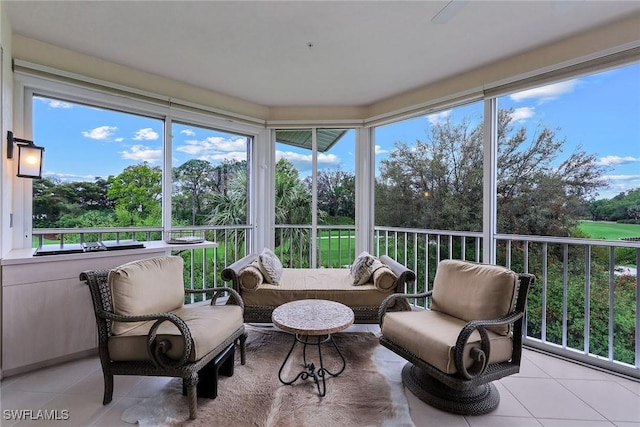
(232, 272)
(480, 355)
(393, 297)
(234, 296)
(157, 349)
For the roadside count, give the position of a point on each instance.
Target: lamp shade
(30, 161)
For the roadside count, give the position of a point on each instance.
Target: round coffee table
(312, 318)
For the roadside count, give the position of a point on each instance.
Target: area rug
(368, 393)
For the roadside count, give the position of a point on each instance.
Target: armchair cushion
(432, 335)
(154, 285)
(471, 291)
(209, 326)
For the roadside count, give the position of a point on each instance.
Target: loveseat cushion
(432, 335)
(334, 284)
(472, 291)
(209, 325)
(153, 285)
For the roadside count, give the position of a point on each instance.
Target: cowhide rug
(368, 393)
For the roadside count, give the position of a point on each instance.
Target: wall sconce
(29, 156)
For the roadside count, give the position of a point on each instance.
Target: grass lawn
(609, 230)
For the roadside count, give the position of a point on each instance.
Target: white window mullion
(314, 196)
(490, 176)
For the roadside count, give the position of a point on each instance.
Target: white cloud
(546, 93)
(68, 177)
(522, 114)
(54, 103)
(146, 134)
(617, 160)
(229, 156)
(437, 118)
(213, 145)
(619, 184)
(100, 133)
(120, 139)
(142, 153)
(188, 132)
(302, 162)
(380, 150)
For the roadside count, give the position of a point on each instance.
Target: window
(210, 176)
(102, 168)
(428, 171)
(569, 152)
(329, 214)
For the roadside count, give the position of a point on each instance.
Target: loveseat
(335, 284)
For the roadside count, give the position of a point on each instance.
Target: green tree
(438, 182)
(137, 195)
(336, 193)
(193, 181)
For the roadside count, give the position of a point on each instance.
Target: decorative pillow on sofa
(382, 277)
(270, 266)
(361, 268)
(251, 276)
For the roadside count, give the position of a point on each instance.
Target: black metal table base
(310, 370)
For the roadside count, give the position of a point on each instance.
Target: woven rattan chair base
(477, 401)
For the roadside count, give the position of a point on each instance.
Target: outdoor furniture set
(470, 336)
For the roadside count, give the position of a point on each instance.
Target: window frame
(26, 86)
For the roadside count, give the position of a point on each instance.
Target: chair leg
(191, 384)
(477, 401)
(243, 348)
(108, 388)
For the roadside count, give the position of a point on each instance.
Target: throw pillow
(361, 268)
(383, 277)
(251, 276)
(270, 266)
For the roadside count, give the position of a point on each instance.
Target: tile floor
(547, 392)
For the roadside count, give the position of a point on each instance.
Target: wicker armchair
(470, 336)
(144, 328)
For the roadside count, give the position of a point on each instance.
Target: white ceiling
(362, 51)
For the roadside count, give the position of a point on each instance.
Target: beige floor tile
(93, 384)
(559, 368)
(609, 398)
(574, 423)
(81, 410)
(147, 386)
(20, 400)
(633, 386)
(113, 416)
(55, 379)
(509, 406)
(424, 415)
(546, 398)
(500, 421)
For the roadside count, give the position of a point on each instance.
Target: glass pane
(569, 155)
(210, 176)
(429, 171)
(101, 168)
(336, 197)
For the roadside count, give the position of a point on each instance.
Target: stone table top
(312, 317)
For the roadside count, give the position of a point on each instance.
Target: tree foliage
(137, 193)
(437, 183)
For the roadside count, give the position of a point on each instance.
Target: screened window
(101, 168)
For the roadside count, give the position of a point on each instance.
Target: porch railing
(584, 305)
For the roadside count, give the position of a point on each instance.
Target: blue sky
(601, 112)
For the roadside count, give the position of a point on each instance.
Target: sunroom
(418, 130)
